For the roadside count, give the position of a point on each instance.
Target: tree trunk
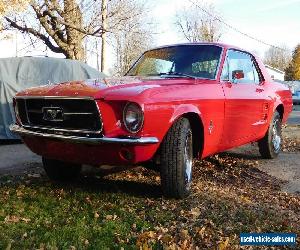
(74, 48)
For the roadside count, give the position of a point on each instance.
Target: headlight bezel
(140, 124)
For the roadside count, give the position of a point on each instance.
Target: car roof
(222, 45)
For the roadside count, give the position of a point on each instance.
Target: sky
(275, 22)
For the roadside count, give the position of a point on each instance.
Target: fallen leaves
(11, 219)
(195, 212)
(145, 240)
(291, 139)
(224, 244)
(111, 217)
(15, 219)
(229, 195)
(290, 144)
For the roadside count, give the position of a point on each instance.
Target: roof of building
(272, 68)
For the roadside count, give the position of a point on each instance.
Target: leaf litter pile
(291, 138)
(230, 195)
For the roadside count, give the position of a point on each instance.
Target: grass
(54, 216)
(126, 210)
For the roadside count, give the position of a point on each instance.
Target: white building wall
(275, 74)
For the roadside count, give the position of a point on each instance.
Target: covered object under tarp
(17, 74)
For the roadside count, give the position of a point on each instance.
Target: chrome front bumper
(86, 140)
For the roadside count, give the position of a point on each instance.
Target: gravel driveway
(294, 118)
(17, 158)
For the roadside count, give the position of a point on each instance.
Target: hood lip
(53, 97)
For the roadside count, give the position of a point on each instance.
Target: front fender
(182, 109)
(160, 117)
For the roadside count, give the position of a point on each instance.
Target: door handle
(259, 90)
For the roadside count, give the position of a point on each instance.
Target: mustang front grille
(60, 115)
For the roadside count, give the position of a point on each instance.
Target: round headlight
(133, 117)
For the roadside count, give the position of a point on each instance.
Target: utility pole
(97, 55)
(103, 37)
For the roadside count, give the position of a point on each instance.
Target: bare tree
(199, 23)
(132, 38)
(103, 38)
(59, 24)
(7, 6)
(128, 47)
(278, 58)
(64, 24)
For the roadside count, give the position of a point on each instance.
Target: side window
(225, 72)
(239, 61)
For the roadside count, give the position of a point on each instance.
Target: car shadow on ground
(10, 142)
(241, 155)
(141, 182)
(130, 187)
(138, 185)
(146, 183)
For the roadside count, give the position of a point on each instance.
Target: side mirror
(238, 74)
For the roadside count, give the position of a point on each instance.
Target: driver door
(245, 99)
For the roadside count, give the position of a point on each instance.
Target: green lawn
(127, 210)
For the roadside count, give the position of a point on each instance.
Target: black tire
(270, 145)
(61, 171)
(176, 160)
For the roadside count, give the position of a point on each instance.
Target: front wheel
(61, 171)
(270, 145)
(177, 160)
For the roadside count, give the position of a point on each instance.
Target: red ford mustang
(176, 103)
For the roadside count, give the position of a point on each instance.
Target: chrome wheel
(276, 136)
(270, 145)
(188, 159)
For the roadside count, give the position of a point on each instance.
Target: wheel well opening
(198, 132)
(280, 110)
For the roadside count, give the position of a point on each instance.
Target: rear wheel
(61, 171)
(270, 145)
(177, 160)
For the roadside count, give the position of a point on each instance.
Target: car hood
(107, 87)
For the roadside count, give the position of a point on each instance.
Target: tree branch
(37, 34)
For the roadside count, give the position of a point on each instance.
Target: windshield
(199, 61)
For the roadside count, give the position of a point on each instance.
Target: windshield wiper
(178, 74)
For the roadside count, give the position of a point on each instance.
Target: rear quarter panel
(283, 96)
(280, 93)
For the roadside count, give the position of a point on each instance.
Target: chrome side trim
(85, 140)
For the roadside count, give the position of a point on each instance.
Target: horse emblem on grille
(53, 114)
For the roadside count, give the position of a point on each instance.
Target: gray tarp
(17, 74)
